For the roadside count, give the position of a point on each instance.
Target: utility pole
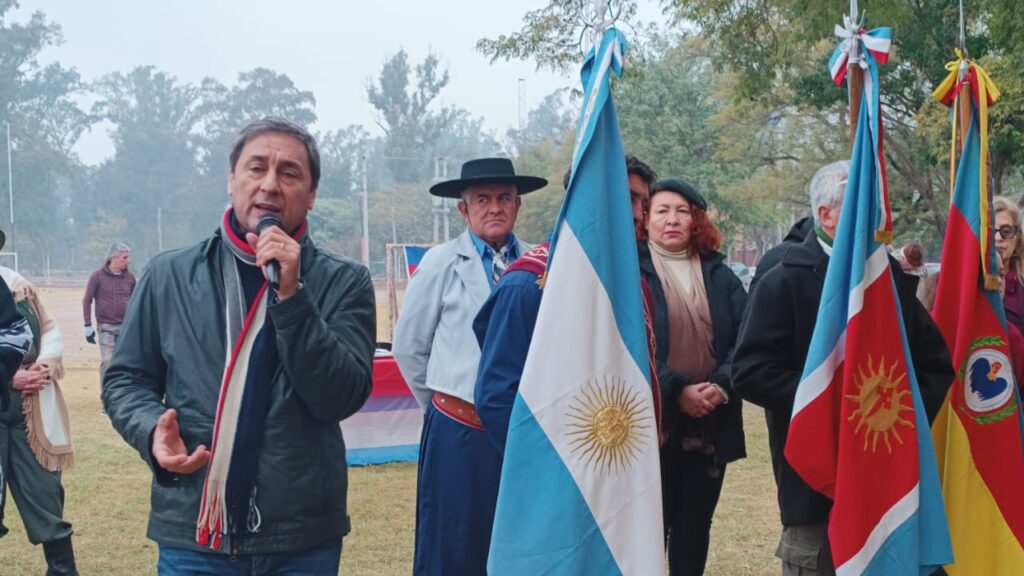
(366, 218)
(159, 229)
(10, 186)
(522, 98)
(440, 205)
(446, 204)
(394, 230)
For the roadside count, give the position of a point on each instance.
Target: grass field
(107, 494)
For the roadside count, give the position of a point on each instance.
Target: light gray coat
(434, 344)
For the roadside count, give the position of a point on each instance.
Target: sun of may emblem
(879, 399)
(606, 421)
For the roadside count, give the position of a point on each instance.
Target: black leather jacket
(171, 354)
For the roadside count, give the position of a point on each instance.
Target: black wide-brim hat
(488, 171)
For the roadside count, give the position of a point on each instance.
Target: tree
(539, 210)
(789, 30)
(37, 105)
(556, 36)
(549, 122)
(334, 225)
(220, 112)
(782, 47)
(341, 152)
(149, 181)
(410, 123)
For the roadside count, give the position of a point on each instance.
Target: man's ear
(822, 212)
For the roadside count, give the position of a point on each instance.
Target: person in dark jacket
(16, 341)
(35, 435)
(214, 354)
(1010, 246)
(698, 311)
(800, 229)
(772, 349)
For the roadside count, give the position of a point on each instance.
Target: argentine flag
(580, 486)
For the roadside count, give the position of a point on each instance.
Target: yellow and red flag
(978, 432)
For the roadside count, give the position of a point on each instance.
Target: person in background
(695, 326)
(434, 346)
(772, 349)
(109, 288)
(1015, 340)
(796, 234)
(1010, 246)
(911, 259)
(35, 438)
(213, 353)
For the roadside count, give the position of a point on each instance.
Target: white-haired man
(772, 349)
(110, 288)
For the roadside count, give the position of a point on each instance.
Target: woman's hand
(693, 401)
(713, 394)
(32, 379)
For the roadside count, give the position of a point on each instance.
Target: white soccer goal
(9, 260)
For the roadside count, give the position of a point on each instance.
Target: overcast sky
(329, 48)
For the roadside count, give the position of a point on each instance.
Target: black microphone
(272, 270)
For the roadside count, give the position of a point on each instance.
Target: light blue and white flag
(580, 486)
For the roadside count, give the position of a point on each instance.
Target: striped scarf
(229, 505)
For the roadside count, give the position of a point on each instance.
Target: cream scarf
(46, 414)
(690, 347)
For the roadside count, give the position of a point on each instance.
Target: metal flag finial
(601, 22)
(963, 34)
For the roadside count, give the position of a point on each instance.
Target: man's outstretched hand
(169, 450)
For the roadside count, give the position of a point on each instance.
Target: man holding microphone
(231, 389)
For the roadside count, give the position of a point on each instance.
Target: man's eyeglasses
(1007, 231)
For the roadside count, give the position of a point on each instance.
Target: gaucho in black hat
(438, 354)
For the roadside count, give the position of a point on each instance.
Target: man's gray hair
(828, 187)
(117, 248)
(279, 126)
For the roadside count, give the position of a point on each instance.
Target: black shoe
(60, 558)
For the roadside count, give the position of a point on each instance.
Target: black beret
(682, 188)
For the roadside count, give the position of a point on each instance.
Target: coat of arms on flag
(859, 433)
(978, 431)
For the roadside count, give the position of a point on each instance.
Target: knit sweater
(111, 292)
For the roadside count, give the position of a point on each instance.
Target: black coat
(773, 346)
(727, 301)
(797, 233)
(15, 338)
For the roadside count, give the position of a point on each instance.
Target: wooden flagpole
(855, 75)
(964, 97)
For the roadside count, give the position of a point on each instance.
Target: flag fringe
(992, 282)
(883, 236)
